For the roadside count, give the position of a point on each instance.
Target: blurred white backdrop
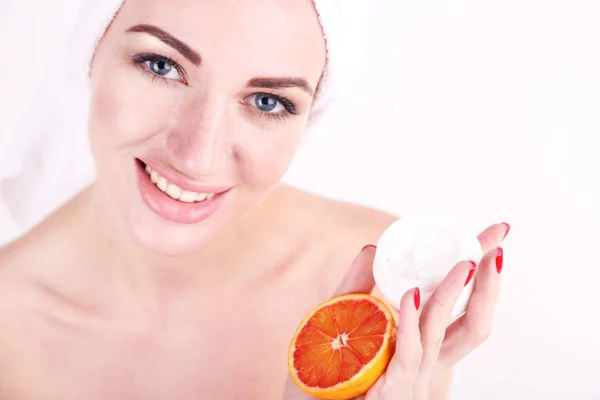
(486, 110)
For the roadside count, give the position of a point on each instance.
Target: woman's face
(197, 110)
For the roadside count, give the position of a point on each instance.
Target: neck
(109, 249)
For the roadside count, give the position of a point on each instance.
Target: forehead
(265, 36)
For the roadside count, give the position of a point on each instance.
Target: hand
(429, 344)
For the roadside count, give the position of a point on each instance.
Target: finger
(359, 277)
(437, 315)
(493, 236)
(473, 328)
(292, 392)
(399, 379)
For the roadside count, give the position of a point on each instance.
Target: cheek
(126, 110)
(263, 162)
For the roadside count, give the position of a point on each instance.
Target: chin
(160, 220)
(167, 239)
(158, 235)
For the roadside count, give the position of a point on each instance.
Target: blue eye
(271, 104)
(267, 103)
(160, 67)
(163, 68)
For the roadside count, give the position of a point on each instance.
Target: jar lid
(418, 251)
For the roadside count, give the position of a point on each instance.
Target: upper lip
(182, 181)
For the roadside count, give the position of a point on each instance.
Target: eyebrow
(281, 83)
(170, 40)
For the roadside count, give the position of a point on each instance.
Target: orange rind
(342, 347)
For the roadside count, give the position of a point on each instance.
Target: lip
(173, 210)
(180, 180)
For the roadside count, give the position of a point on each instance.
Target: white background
(488, 110)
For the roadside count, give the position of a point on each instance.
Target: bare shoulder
(7, 263)
(20, 263)
(354, 224)
(11, 275)
(348, 222)
(11, 294)
(335, 231)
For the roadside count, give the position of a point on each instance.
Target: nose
(197, 142)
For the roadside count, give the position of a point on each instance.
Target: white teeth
(175, 191)
(162, 184)
(188, 197)
(200, 196)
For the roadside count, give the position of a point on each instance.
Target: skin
(105, 299)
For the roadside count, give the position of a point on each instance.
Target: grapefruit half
(342, 347)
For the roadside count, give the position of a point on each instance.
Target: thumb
(359, 277)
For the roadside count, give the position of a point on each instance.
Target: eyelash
(289, 106)
(141, 59)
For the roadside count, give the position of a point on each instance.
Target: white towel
(47, 160)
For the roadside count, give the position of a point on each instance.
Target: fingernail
(369, 245)
(507, 225)
(471, 272)
(417, 297)
(499, 259)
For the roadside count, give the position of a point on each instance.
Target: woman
(183, 270)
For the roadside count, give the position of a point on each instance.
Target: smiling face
(197, 111)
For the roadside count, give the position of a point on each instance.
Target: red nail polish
(507, 229)
(417, 297)
(471, 272)
(369, 245)
(499, 259)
